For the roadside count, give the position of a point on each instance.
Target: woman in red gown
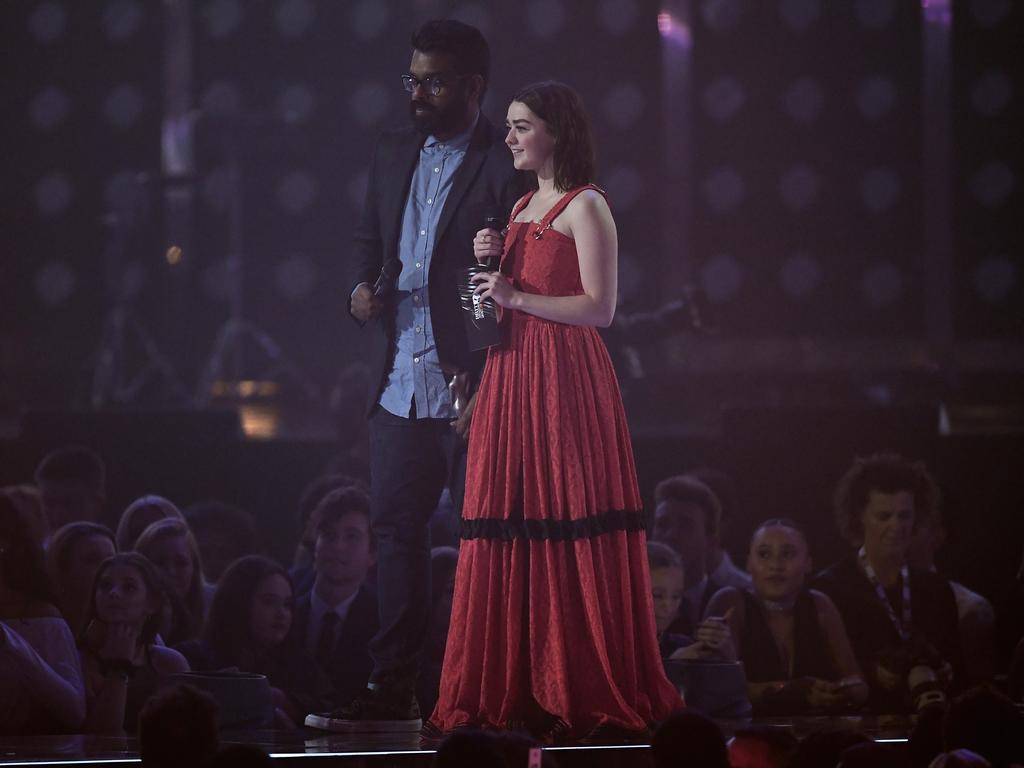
(552, 627)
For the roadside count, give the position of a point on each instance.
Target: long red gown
(552, 626)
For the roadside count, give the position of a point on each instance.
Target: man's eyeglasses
(433, 84)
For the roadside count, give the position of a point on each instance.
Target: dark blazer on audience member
(682, 625)
(871, 631)
(350, 663)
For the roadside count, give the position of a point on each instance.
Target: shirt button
(415, 299)
(423, 231)
(430, 200)
(415, 359)
(419, 265)
(437, 170)
(419, 329)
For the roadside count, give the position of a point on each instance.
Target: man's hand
(364, 304)
(462, 423)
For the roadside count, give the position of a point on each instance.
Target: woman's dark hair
(58, 553)
(561, 109)
(780, 522)
(21, 561)
(464, 43)
(882, 473)
(156, 591)
(227, 625)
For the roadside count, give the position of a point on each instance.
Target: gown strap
(520, 204)
(557, 208)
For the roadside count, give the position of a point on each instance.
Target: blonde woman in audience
(170, 546)
(139, 515)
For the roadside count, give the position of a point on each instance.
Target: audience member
(899, 619)
(29, 502)
(139, 515)
(518, 749)
(987, 722)
(791, 640)
(178, 728)
(336, 619)
(468, 748)
(721, 569)
(960, 758)
(667, 586)
(248, 629)
(169, 545)
(72, 485)
(223, 534)
(443, 562)
(686, 518)
(41, 689)
(302, 562)
(72, 559)
(761, 746)
(824, 747)
(689, 740)
(975, 615)
(122, 664)
(874, 755)
(925, 741)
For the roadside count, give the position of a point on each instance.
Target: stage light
(221, 99)
(294, 18)
(799, 187)
(617, 16)
(295, 277)
(991, 93)
(876, 96)
(721, 277)
(721, 15)
(123, 106)
(724, 189)
(296, 104)
(881, 189)
(53, 193)
(49, 108)
(882, 284)
(370, 18)
(800, 275)
(54, 282)
(48, 22)
(221, 17)
(173, 255)
(122, 19)
(723, 98)
(800, 14)
(545, 18)
(803, 99)
(875, 14)
(297, 191)
(992, 184)
(995, 279)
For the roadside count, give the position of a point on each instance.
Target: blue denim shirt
(416, 375)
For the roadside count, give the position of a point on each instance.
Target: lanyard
(902, 624)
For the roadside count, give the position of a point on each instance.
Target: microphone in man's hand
(388, 277)
(493, 221)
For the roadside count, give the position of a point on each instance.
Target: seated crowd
(94, 623)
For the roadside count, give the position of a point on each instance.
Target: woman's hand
(494, 285)
(487, 243)
(715, 634)
(119, 643)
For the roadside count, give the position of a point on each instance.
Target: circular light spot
(295, 276)
(988, 13)
(297, 191)
(49, 108)
(221, 99)
(803, 99)
(370, 18)
(800, 275)
(724, 189)
(625, 186)
(721, 14)
(54, 282)
(882, 284)
(721, 278)
(120, 191)
(875, 14)
(876, 96)
(48, 22)
(475, 15)
(356, 188)
(992, 184)
(216, 280)
(991, 93)
(53, 194)
(295, 104)
(723, 98)
(624, 105)
(215, 189)
(122, 19)
(221, 17)
(294, 17)
(799, 187)
(880, 189)
(617, 16)
(369, 103)
(123, 106)
(995, 278)
(545, 18)
(800, 14)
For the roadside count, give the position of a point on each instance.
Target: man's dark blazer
(350, 663)
(486, 184)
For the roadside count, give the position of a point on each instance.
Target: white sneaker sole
(325, 723)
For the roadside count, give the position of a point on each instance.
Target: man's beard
(433, 120)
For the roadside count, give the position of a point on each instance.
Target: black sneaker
(376, 711)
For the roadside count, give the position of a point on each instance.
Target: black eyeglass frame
(433, 84)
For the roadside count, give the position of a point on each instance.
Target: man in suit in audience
(336, 619)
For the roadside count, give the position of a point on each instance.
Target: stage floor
(312, 748)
